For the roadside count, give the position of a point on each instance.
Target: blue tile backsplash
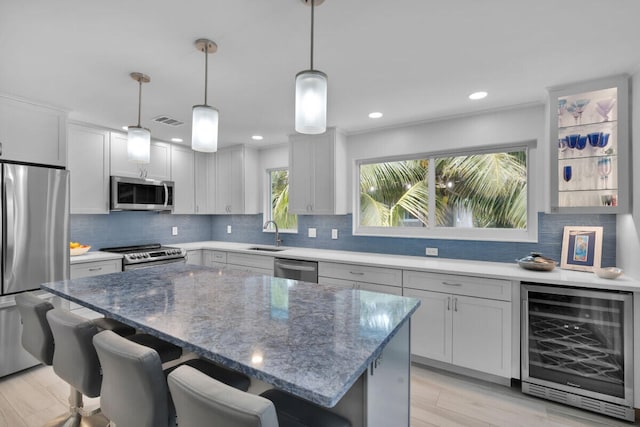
(132, 228)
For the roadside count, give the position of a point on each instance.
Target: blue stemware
(572, 140)
(566, 173)
(582, 142)
(594, 138)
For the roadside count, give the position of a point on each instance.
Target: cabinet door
(160, 162)
(482, 335)
(301, 175)
(120, 164)
(182, 174)
(158, 168)
(89, 170)
(229, 181)
(589, 134)
(205, 169)
(194, 257)
(431, 325)
(32, 133)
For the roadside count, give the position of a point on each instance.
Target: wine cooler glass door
(578, 341)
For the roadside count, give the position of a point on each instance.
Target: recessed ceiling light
(125, 127)
(257, 137)
(478, 95)
(375, 115)
(176, 139)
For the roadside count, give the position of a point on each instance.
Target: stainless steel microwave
(141, 194)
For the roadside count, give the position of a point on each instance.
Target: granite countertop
(496, 270)
(309, 340)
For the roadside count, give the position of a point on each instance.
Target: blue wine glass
(580, 106)
(594, 138)
(566, 173)
(582, 142)
(603, 141)
(572, 140)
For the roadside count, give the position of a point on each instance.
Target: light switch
(334, 233)
(312, 232)
(174, 231)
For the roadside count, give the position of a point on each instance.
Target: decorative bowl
(537, 262)
(608, 272)
(79, 251)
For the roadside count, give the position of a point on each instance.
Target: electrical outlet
(228, 229)
(334, 233)
(312, 232)
(174, 231)
(431, 251)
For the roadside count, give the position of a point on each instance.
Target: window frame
(529, 234)
(267, 209)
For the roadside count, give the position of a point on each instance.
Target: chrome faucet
(266, 224)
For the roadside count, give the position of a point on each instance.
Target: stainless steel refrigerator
(34, 213)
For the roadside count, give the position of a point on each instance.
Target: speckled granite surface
(310, 340)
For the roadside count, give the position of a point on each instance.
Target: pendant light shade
(204, 127)
(139, 138)
(311, 102)
(204, 136)
(138, 144)
(311, 92)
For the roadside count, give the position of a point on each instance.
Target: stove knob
(146, 255)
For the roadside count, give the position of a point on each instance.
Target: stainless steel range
(141, 256)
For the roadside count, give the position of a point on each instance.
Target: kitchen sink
(266, 249)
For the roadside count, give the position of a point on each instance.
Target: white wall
(628, 226)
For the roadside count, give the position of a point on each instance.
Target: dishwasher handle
(294, 267)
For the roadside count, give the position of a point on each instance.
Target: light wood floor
(32, 397)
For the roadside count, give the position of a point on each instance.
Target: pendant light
(204, 128)
(139, 138)
(311, 92)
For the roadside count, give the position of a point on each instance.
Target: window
(476, 195)
(278, 196)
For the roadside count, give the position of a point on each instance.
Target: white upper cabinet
(318, 174)
(589, 135)
(88, 163)
(32, 133)
(236, 181)
(183, 176)
(158, 168)
(205, 188)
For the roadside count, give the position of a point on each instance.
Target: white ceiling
(413, 60)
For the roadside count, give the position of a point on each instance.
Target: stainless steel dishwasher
(306, 271)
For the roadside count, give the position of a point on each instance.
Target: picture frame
(581, 248)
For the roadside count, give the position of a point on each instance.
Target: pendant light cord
(312, 13)
(206, 70)
(139, 100)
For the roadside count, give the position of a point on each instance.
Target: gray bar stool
(37, 338)
(76, 362)
(134, 387)
(200, 400)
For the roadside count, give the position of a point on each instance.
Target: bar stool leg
(77, 416)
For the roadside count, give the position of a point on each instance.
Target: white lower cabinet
(89, 269)
(353, 276)
(214, 258)
(467, 331)
(260, 264)
(194, 257)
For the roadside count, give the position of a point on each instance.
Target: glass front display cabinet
(589, 136)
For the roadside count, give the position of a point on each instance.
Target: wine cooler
(577, 348)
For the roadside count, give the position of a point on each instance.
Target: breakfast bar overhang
(343, 349)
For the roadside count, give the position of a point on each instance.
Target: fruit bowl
(537, 262)
(81, 250)
(608, 272)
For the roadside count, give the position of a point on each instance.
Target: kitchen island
(321, 343)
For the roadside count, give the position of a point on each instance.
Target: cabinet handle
(455, 304)
(451, 284)
(95, 269)
(0, 148)
(448, 303)
(357, 273)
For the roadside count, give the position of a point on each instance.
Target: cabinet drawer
(361, 273)
(249, 269)
(458, 285)
(218, 257)
(88, 269)
(259, 261)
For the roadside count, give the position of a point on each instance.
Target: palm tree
(280, 200)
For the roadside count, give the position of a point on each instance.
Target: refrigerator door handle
(9, 222)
